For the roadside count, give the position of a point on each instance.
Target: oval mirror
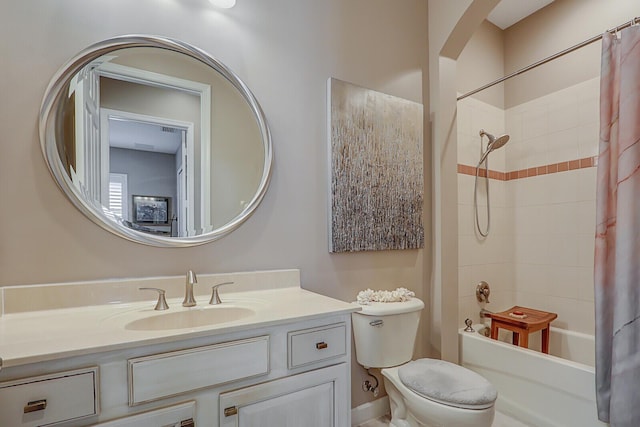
(156, 141)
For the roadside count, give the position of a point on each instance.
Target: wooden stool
(530, 321)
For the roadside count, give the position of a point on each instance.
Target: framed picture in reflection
(151, 210)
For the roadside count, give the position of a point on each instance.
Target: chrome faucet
(189, 300)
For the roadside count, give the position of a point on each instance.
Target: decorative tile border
(586, 162)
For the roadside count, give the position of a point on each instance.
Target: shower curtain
(617, 246)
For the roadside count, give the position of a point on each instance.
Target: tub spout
(484, 313)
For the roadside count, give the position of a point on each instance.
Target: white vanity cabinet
(286, 362)
(286, 375)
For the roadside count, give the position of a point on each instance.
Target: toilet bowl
(412, 409)
(423, 392)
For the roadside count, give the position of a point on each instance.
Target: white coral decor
(368, 296)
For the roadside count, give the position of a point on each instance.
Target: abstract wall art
(376, 189)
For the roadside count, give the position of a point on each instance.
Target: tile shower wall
(490, 259)
(543, 224)
(554, 214)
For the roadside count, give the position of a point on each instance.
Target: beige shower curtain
(617, 251)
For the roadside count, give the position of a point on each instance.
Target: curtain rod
(594, 39)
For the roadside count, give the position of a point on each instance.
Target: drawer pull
(231, 410)
(35, 405)
(187, 423)
(321, 345)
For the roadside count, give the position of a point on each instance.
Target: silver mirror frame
(47, 127)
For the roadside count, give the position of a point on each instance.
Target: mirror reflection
(157, 142)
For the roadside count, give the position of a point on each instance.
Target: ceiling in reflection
(134, 135)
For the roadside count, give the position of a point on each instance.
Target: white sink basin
(192, 318)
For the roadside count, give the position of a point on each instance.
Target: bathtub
(556, 390)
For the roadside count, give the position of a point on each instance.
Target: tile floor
(501, 420)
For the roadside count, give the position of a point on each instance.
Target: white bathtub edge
(535, 388)
(522, 413)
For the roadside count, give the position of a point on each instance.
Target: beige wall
(285, 51)
(451, 25)
(552, 29)
(481, 62)
(492, 53)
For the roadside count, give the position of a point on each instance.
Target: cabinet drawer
(316, 344)
(179, 415)
(168, 374)
(49, 399)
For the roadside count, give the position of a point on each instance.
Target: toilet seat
(448, 384)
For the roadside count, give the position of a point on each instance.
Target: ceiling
(508, 12)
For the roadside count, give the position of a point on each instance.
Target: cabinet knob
(35, 405)
(321, 345)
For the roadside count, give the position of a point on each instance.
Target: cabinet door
(310, 407)
(313, 399)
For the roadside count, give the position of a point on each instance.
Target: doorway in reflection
(148, 157)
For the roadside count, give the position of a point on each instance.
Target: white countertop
(37, 336)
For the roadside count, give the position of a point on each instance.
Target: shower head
(494, 143)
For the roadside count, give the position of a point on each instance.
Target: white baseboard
(369, 411)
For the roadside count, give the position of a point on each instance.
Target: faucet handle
(162, 301)
(483, 291)
(215, 297)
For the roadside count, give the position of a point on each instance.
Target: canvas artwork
(376, 170)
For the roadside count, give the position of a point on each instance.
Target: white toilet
(423, 392)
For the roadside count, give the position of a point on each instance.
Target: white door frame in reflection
(145, 77)
(107, 114)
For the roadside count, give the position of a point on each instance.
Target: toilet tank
(385, 333)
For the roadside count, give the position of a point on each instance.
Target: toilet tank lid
(389, 308)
